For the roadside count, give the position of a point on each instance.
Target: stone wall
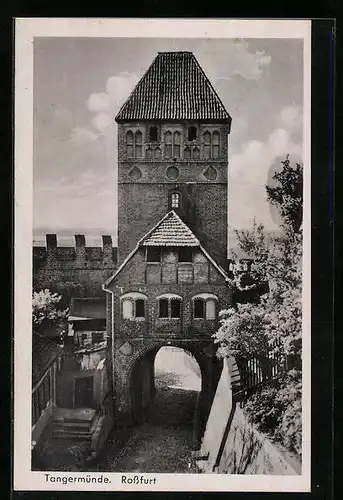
(77, 271)
(232, 445)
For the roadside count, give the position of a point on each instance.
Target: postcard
(162, 255)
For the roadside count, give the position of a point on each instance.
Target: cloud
(83, 201)
(250, 169)
(238, 60)
(105, 105)
(83, 135)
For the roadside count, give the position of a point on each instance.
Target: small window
(177, 145)
(185, 254)
(210, 309)
(175, 308)
(138, 144)
(152, 134)
(192, 133)
(163, 308)
(199, 308)
(129, 144)
(215, 145)
(169, 306)
(140, 308)
(128, 308)
(153, 254)
(133, 307)
(157, 153)
(187, 153)
(168, 145)
(207, 145)
(97, 337)
(175, 200)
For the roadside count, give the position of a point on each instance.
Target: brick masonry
(77, 271)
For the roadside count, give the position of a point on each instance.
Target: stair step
(71, 425)
(69, 434)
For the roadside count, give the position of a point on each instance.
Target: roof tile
(170, 231)
(174, 88)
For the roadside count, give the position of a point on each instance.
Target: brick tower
(173, 154)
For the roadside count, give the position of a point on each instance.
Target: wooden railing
(251, 373)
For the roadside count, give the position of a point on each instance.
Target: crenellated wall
(77, 271)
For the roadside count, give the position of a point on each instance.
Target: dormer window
(153, 134)
(175, 200)
(192, 133)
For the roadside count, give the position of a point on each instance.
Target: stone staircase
(74, 423)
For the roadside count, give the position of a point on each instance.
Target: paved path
(163, 442)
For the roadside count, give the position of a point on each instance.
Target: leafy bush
(276, 410)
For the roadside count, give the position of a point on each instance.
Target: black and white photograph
(163, 293)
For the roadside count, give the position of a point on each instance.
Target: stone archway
(134, 376)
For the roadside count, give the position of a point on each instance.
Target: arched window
(211, 144)
(175, 200)
(187, 153)
(205, 306)
(134, 144)
(157, 153)
(177, 145)
(215, 144)
(138, 144)
(133, 305)
(149, 153)
(192, 133)
(207, 145)
(168, 145)
(129, 144)
(196, 153)
(169, 306)
(153, 134)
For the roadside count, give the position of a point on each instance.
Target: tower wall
(144, 187)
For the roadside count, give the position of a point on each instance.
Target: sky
(80, 84)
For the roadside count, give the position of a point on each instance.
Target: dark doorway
(83, 392)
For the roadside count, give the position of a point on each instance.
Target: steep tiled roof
(170, 231)
(44, 352)
(174, 88)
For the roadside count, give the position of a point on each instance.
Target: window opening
(140, 308)
(175, 308)
(175, 200)
(152, 134)
(154, 254)
(185, 254)
(199, 308)
(192, 133)
(163, 308)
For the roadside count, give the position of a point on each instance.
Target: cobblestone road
(163, 442)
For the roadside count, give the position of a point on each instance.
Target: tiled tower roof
(174, 88)
(171, 231)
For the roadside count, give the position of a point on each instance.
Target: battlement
(79, 254)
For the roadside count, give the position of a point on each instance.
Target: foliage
(274, 317)
(276, 409)
(287, 195)
(46, 310)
